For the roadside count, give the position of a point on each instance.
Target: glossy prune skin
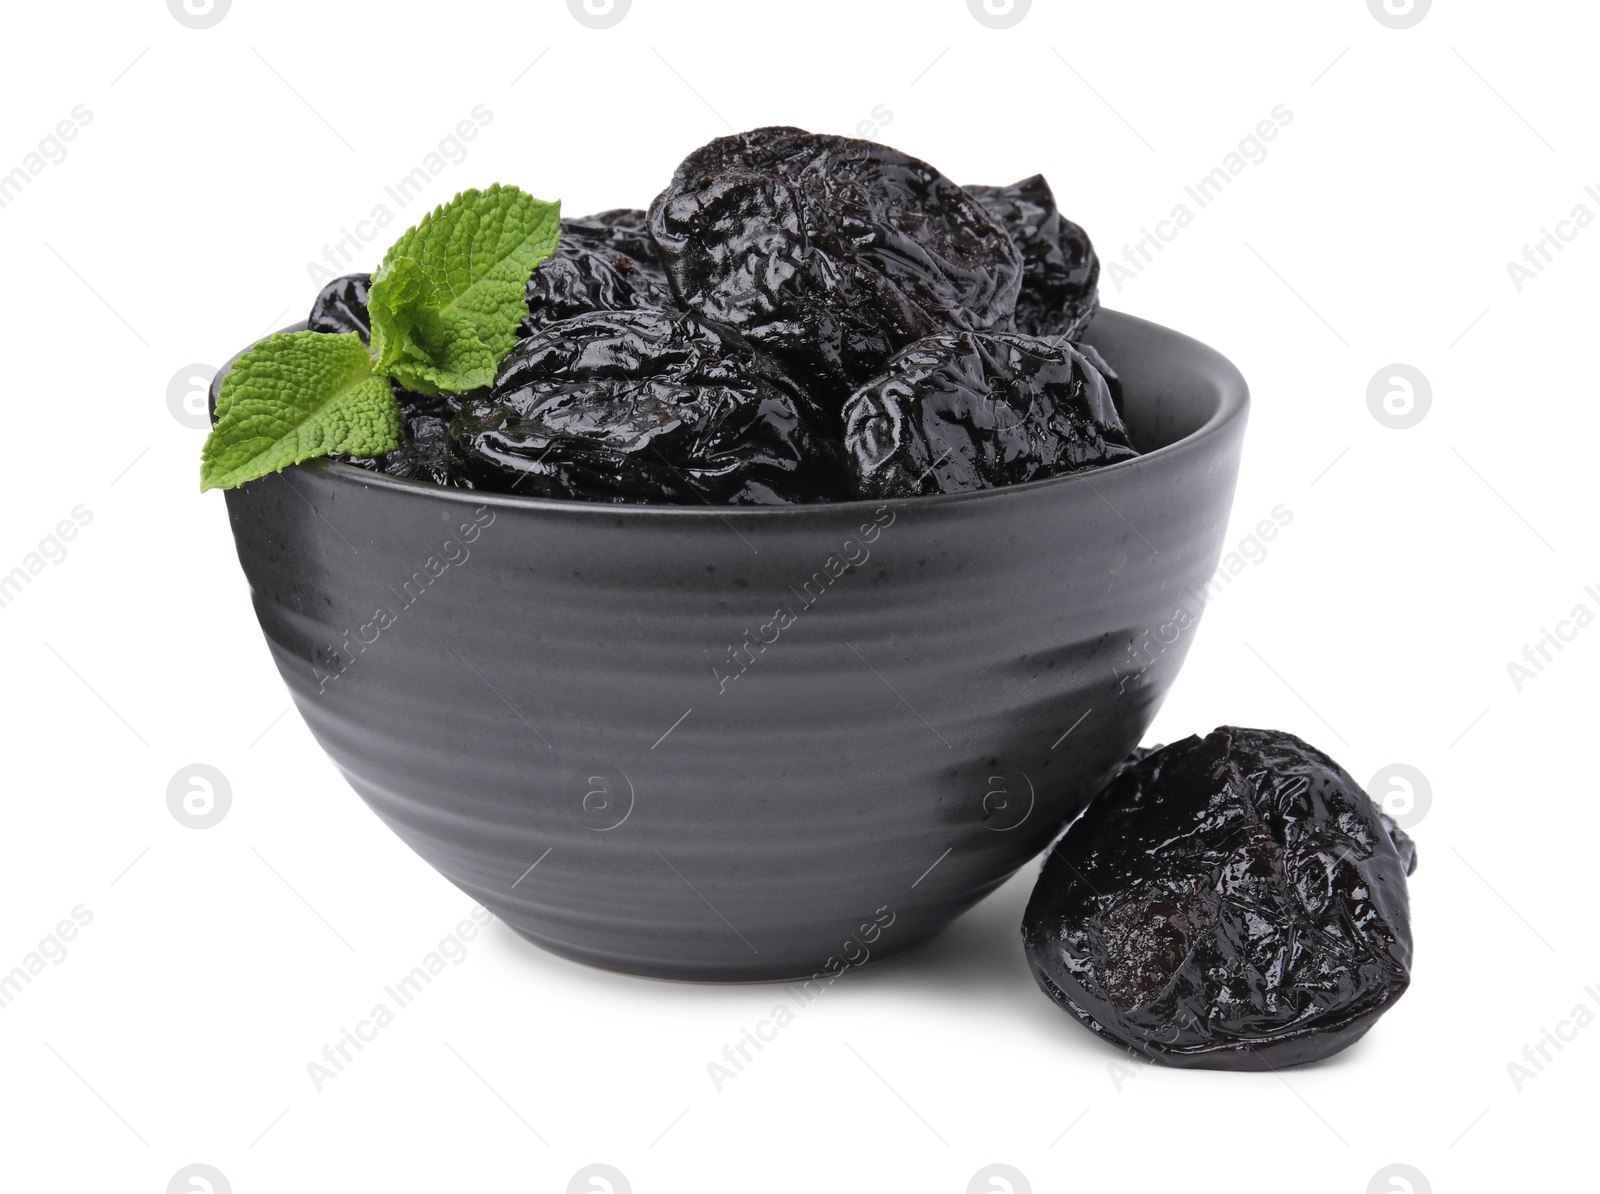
(1113, 378)
(421, 454)
(974, 410)
(1233, 902)
(830, 253)
(1061, 274)
(604, 262)
(644, 406)
(341, 307)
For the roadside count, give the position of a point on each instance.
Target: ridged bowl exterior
(747, 743)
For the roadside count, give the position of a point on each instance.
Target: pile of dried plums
(798, 318)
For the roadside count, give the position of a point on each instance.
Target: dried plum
(830, 253)
(421, 454)
(971, 410)
(644, 406)
(604, 262)
(341, 307)
(1061, 274)
(1113, 378)
(1232, 902)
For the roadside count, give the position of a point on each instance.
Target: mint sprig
(295, 396)
(447, 300)
(445, 306)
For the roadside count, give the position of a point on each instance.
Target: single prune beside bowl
(644, 406)
(973, 410)
(1229, 902)
(341, 307)
(830, 253)
(1060, 273)
(604, 262)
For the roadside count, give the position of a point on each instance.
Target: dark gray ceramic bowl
(747, 743)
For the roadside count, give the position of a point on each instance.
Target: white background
(1419, 562)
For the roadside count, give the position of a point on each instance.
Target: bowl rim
(1200, 359)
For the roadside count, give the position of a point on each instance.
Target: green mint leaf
(295, 396)
(447, 300)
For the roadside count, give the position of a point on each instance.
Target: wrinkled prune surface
(421, 454)
(644, 406)
(1403, 845)
(604, 262)
(1061, 274)
(1228, 902)
(972, 410)
(830, 253)
(342, 307)
(1113, 379)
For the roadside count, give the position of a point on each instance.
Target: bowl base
(718, 973)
